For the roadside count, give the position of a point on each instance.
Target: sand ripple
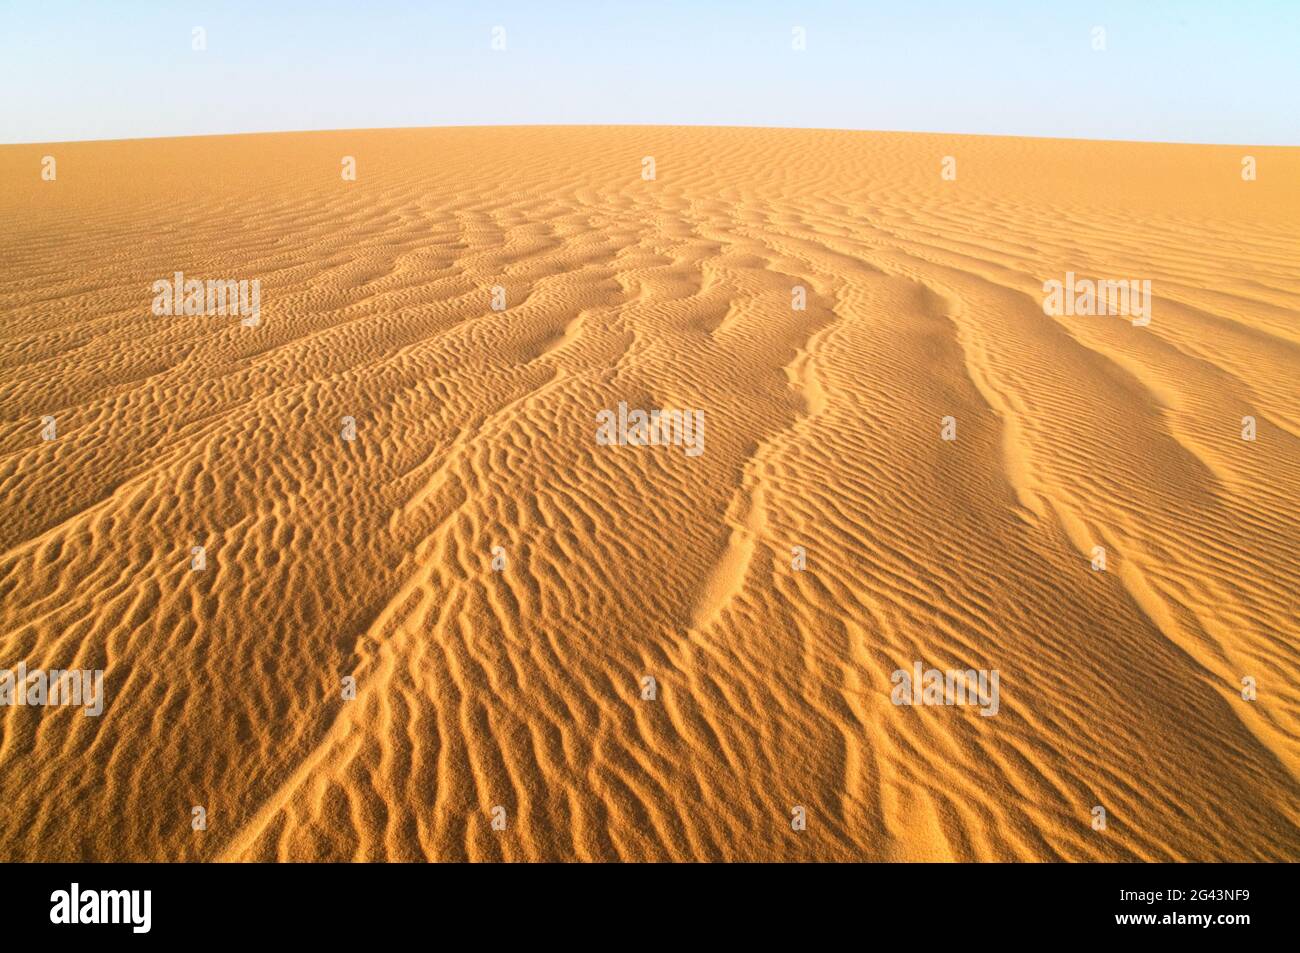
(475, 429)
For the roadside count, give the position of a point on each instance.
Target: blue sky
(1188, 71)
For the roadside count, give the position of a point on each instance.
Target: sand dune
(476, 428)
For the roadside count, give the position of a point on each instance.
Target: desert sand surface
(520, 685)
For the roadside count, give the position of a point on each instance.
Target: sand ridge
(475, 429)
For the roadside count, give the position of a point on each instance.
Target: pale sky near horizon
(1190, 71)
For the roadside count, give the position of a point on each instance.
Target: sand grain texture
(476, 429)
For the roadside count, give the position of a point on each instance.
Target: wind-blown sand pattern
(476, 428)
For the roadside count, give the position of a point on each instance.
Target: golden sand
(522, 688)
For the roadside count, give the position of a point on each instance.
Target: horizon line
(648, 125)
